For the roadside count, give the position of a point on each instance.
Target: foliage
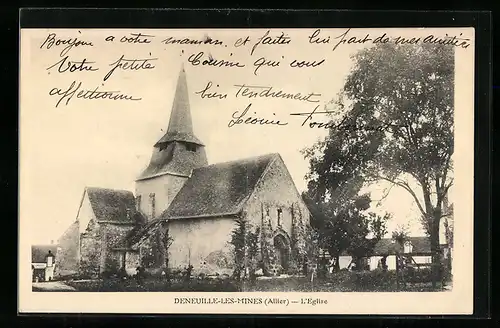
(266, 243)
(448, 224)
(245, 244)
(378, 225)
(167, 241)
(313, 240)
(155, 248)
(375, 280)
(238, 243)
(187, 272)
(297, 240)
(155, 284)
(345, 227)
(393, 121)
(252, 251)
(418, 275)
(110, 268)
(400, 235)
(343, 281)
(149, 256)
(89, 265)
(88, 269)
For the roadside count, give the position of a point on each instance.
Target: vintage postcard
(274, 171)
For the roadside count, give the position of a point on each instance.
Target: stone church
(184, 212)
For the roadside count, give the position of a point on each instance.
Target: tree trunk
(435, 250)
(337, 263)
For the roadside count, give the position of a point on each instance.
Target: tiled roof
(113, 205)
(218, 189)
(137, 233)
(387, 246)
(179, 136)
(180, 125)
(170, 154)
(173, 159)
(39, 252)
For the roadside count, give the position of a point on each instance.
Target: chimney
(52, 242)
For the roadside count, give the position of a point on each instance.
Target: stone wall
(165, 187)
(111, 235)
(203, 243)
(276, 191)
(276, 196)
(152, 253)
(97, 243)
(67, 255)
(91, 261)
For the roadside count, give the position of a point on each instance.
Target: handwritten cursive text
(242, 118)
(89, 94)
(130, 64)
(257, 91)
(69, 43)
(65, 65)
(204, 93)
(197, 59)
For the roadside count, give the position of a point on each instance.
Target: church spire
(180, 126)
(179, 151)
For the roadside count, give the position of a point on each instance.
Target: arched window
(280, 212)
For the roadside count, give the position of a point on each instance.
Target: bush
(187, 272)
(375, 280)
(421, 275)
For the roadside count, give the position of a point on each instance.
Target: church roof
(170, 154)
(39, 252)
(179, 136)
(113, 205)
(175, 160)
(137, 233)
(180, 125)
(218, 189)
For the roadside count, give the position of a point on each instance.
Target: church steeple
(180, 126)
(179, 151)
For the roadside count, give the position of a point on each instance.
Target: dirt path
(52, 286)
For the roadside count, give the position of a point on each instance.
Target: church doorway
(282, 248)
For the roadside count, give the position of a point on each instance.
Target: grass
(339, 282)
(333, 284)
(152, 285)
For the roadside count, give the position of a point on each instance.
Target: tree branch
(447, 215)
(405, 186)
(446, 168)
(386, 193)
(447, 187)
(439, 195)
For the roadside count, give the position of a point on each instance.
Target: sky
(105, 143)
